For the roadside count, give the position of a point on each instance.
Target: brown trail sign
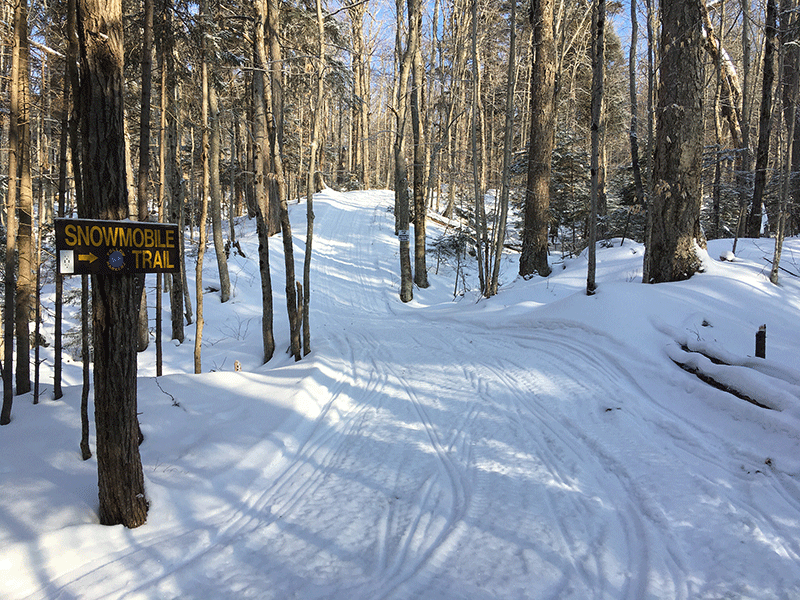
(87, 246)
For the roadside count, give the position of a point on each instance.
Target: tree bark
(11, 218)
(216, 195)
(634, 130)
(115, 301)
(508, 139)
(764, 123)
(675, 221)
(598, 67)
(316, 123)
(143, 179)
(25, 280)
(260, 148)
(206, 184)
(418, 132)
(533, 259)
(789, 82)
(400, 167)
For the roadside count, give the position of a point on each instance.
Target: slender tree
(315, 133)
(790, 80)
(477, 155)
(508, 139)
(598, 63)
(764, 122)
(260, 152)
(277, 183)
(20, 29)
(202, 225)
(634, 99)
(418, 173)
(216, 193)
(400, 167)
(25, 295)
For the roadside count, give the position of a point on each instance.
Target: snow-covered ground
(539, 444)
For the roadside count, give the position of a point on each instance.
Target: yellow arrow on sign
(87, 257)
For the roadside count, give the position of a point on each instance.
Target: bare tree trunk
(114, 297)
(671, 254)
(86, 452)
(537, 194)
(144, 153)
(790, 80)
(202, 226)
(62, 194)
(743, 158)
(360, 113)
(717, 191)
(25, 280)
(400, 167)
(260, 146)
(216, 195)
(277, 180)
(764, 123)
(508, 139)
(306, 287)
(598, 64)
(418, 131)
(634, 130)
(20, 30)
(477, 154)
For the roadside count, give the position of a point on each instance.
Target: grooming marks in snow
(541, 444)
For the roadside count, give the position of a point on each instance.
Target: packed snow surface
(538, 444)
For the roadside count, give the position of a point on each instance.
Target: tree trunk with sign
(115, 298)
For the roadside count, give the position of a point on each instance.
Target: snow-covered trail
(443, 456)
(440, 477)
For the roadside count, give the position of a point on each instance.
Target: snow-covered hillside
(539, 444)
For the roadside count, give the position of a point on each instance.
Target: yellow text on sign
(152, 259)
(111, 235)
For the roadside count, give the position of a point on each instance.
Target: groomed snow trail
(450, 458)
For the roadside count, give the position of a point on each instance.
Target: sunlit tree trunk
(206, 184)
(418, 131)
(764, 123)
(400, 166)
(260, 149)
(25, 279)
(533, 259)
(114, 297)
(634, 98)
(11, 217)
(316, 123)
(508, 140)
(675, 222)
(216, 195)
